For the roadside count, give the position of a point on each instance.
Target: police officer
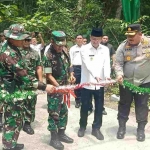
(132, 65)
(18, 83)
(57, 70)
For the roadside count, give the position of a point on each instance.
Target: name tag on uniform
(91, 57)
(76, 51)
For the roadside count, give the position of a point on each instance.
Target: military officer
(57, 69)
(18, 83)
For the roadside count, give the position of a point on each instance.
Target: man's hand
(109, 79)
(113, 66)
(120, 79)
(50, 88)
(72, 79)
(98, 79)
(40, 35)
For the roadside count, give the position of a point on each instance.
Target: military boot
(17, 147)
(63, 137)
(122, 129)
(55, 142)
(1, 123)
(27, 128)
(141, 132)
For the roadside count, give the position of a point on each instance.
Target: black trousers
(86, 96)
(141, 104)
(77, 74)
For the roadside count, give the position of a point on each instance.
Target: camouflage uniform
(33, 60)
(57, 110)
(58, 65)
(1, 104)
(18, 83)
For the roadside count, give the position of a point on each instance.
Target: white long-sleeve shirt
(75, 55)
(47, 48)
(38, 48)
(95, 63)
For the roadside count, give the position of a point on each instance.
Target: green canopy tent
(131, 10)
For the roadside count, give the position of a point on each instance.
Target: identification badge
(91, 57)
(128, 58)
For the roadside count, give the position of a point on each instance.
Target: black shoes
(77, 105)
(18, 147)
(55, 142)
(121, 133)
(97, 134)
(57, 137)
(81, 132)
(141, 132)
(122, 129)
(104, 112)
(140, 135)
(28, 129)
(21, 146)
(63, 137)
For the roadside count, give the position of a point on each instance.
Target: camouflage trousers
(58, 112)
(13, 117)
(30, 109)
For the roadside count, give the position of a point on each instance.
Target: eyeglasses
(27, 40)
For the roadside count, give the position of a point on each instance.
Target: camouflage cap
(16, 32)
(59, 37)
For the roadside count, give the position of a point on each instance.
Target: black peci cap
(97, 32)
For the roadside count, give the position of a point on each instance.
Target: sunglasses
(27, 40)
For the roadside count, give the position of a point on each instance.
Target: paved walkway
(40, 140)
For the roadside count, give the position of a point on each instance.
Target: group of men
(19, 65)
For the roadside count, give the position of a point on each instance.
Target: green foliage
(73, 17)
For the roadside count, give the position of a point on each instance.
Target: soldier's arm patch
(47, 70)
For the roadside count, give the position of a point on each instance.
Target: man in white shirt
(35, 46)
(47, 48)
(95, 67)
(85, 41)
(76, 64)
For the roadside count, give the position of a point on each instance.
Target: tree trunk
(80, 4)
(119, 9)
